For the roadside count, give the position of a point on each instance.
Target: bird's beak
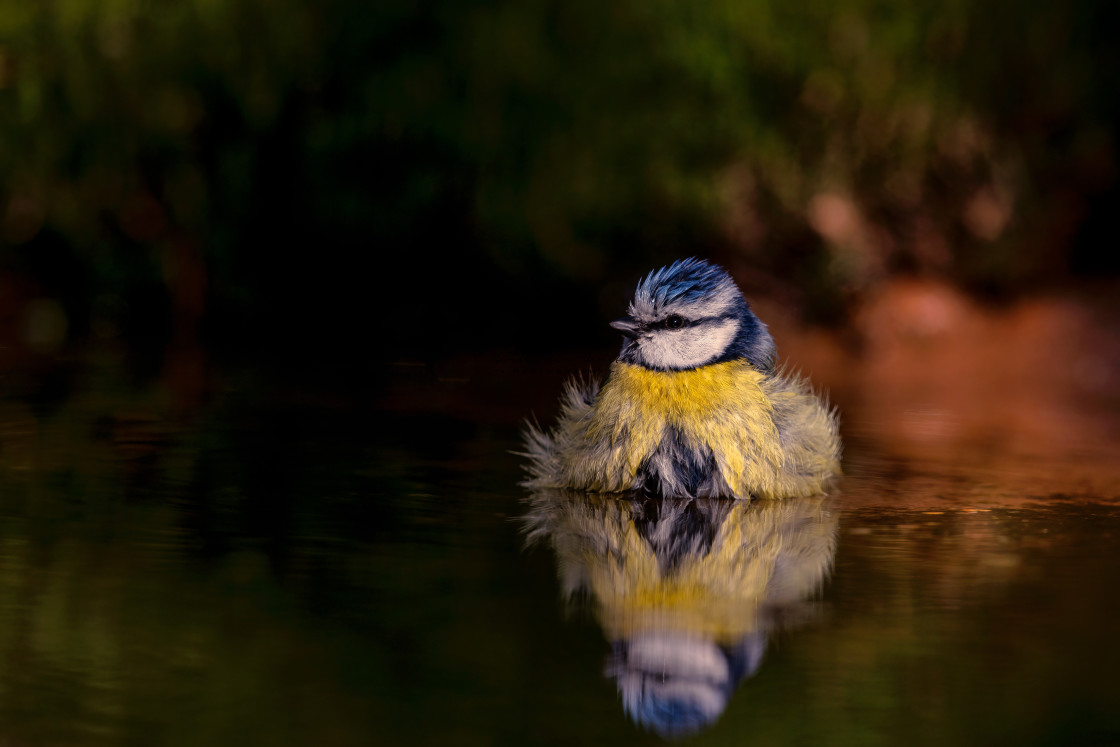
(627, 325)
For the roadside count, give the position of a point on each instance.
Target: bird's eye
(674, 321)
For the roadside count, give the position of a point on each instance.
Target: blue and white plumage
(716, 324)
(693, 406)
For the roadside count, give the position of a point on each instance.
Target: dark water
(273, 567)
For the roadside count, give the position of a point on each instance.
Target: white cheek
(687, 348)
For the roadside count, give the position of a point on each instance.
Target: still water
(269, 566)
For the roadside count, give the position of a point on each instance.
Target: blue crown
(708, 286)
(685, 280)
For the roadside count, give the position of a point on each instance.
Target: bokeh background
(337, 184)
(434, 208)
(279, 279)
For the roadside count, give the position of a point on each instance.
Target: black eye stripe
(664, 323)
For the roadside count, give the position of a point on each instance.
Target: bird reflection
(687, 591)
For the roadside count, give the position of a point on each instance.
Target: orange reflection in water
(1015, 401)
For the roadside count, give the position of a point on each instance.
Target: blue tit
(692, 407)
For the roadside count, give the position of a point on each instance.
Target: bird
(694, 405)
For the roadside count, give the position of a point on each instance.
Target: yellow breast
(721, 406)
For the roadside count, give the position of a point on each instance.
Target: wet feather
(731, 427)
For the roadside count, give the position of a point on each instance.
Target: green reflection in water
(267, 571)
(251, 571)
(143, 598)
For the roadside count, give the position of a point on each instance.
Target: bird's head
(691, 314)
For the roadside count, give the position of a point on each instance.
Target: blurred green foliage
(265, 164)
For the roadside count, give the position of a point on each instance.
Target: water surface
(284, 567)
